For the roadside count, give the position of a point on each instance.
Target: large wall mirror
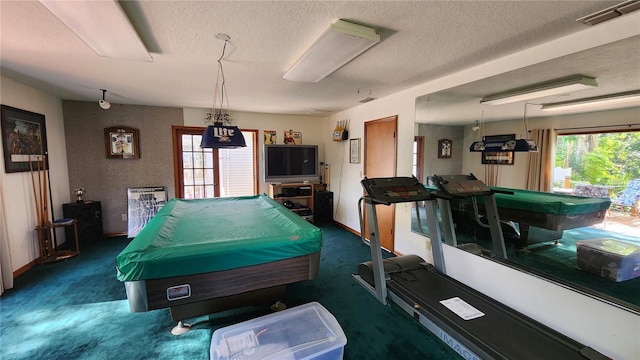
(456, 115)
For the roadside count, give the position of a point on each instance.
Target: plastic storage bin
(610, 258)
(303, 332)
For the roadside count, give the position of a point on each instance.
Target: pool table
(207, 255)
(540, 216)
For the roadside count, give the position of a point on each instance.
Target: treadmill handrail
(498, 191)
(446, 196)
(371, 200)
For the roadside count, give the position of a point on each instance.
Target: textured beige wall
(107, 180)
(440, 166)
(17, 191)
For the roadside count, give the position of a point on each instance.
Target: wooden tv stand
(299, 194)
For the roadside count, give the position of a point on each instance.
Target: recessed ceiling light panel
(103, 26)
(555, 87)
(341, 43)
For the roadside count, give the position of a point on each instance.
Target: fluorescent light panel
(630, 98)
(341, 43)
(555, 87)
(611, 12)
(103, 26)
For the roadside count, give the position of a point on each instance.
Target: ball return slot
(471, 323)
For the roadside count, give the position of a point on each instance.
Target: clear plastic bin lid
(302, 332)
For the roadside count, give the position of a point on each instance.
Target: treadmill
(471, 323)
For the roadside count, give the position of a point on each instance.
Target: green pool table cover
(546, 203)
(189, 237)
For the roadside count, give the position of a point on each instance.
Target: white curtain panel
(6, 268)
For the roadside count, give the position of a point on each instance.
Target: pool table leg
(533, 235)
(524, 236)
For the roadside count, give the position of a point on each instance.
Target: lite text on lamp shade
(228, 137)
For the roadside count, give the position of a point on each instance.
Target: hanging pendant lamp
(498, 144)
(221, 134)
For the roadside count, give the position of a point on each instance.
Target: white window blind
(236, 169)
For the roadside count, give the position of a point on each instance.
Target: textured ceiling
(421, 40)
(615, 66)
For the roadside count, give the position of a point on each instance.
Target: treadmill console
(395, 190)
(461, 185)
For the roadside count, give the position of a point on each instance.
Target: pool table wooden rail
(242, 286)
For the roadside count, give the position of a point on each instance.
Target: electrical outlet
(124, 217)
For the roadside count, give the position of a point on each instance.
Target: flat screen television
(290, 163)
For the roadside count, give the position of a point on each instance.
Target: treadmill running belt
(500, 334)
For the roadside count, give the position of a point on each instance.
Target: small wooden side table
(48, 252)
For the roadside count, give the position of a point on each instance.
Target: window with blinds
(208, 173)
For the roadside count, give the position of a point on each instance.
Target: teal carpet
(559, 261)
(76, 309)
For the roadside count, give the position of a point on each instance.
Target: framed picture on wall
(354, 151)
(292, 137)
(270, 137)
(121, 143)
(444, 148)
(24, 139)
(499, 158)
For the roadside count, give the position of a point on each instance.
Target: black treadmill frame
(451, 331)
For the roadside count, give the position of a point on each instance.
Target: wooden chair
(629, 198)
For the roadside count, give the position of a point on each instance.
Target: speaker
(89, 217)
(323, 206)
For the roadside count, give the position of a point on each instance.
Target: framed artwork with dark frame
(24, 139)
(354, 151)
(444, 148)
(498, 157)
(121, 143)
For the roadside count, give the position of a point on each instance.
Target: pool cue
(33, 185)
(45, 236)
(45, 204)
(45, 189)
(45, 201)
(40, 193)
(37, 206)
(55, 235)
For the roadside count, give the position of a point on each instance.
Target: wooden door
(380, 149)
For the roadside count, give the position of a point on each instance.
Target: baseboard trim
(110, 235)
(359, 235)
(347, 228)
(25, 268)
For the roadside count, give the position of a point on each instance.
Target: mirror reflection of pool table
(540, 216)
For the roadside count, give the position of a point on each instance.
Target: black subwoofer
(323, 206)
(89, 217)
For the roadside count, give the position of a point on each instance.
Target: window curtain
(492, 173)
(540, 164)
(6, 267)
